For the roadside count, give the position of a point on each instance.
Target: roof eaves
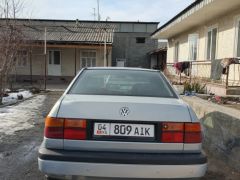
(84, 21)
(178, 15)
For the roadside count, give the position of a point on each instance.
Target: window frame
(19, 62)
(81, 58)
(236, 36)
(140, 40)
(176, 51)
(190, 37)
(210, 29)
(60, 57)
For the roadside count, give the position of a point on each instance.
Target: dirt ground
(18, 152)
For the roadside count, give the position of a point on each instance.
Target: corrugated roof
(82, 33)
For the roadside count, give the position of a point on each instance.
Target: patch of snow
(18, 117)
(13, 97)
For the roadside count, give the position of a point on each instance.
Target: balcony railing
(201, 70)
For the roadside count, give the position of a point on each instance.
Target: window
(88, 58)
(22, 58)
(54, 57)
(176, 52)
(140, 40)
(211, 43)
(122, 83)
(238, 39)
(193, 46)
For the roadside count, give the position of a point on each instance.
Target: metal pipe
(98, 10)
(45, 62)
(75, 71)
(105, 47)
(31, 74)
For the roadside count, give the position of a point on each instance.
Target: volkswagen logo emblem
(124, 111)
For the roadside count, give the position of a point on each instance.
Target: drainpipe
(227, 77)
(31, 74)
(75, 71)
(45, 54)
(105, 48)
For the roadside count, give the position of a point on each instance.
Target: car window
(122, 83)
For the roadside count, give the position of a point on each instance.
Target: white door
(54, 63)
(120, 62)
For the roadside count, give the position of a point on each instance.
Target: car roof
(122, 68)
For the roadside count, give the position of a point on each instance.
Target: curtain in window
(54, 57)
(176, 52)
(238, 45)
(212, 44)
(209, 45)
(88, 58)
(193, 42)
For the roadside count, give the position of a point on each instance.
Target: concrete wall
(135, 27)
(221, 130)
(225, 38)
(226, 45)
(125, 47)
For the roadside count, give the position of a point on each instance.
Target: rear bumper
(124, 165)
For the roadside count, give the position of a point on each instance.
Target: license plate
(119, 129)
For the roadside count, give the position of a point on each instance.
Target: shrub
(195, 86)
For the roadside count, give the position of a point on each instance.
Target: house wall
(67, 62)
(225, 39)
(226, 44)
(124, 47)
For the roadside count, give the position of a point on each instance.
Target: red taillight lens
(59, 128)
(172, 132)
(181, 133)
(75, 129)
(54, 128)
(172, 137)
(192, 133)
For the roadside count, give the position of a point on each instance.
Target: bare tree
(11, 38)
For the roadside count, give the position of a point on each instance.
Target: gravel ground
(18, 152)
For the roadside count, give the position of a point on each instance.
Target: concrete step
(233, 91)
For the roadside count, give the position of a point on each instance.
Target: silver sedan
(122, 123)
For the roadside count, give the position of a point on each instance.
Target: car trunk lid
(142, 110)
(109, 108)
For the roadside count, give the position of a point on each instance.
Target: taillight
(192, 133)
(60, 128)
(181, 133)
(172, 132)
(54, 128)
(75, 129)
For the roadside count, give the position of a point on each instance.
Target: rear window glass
(122, 83)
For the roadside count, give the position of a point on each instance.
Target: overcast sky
(116, 10)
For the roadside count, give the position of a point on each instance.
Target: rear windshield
(122, 83)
